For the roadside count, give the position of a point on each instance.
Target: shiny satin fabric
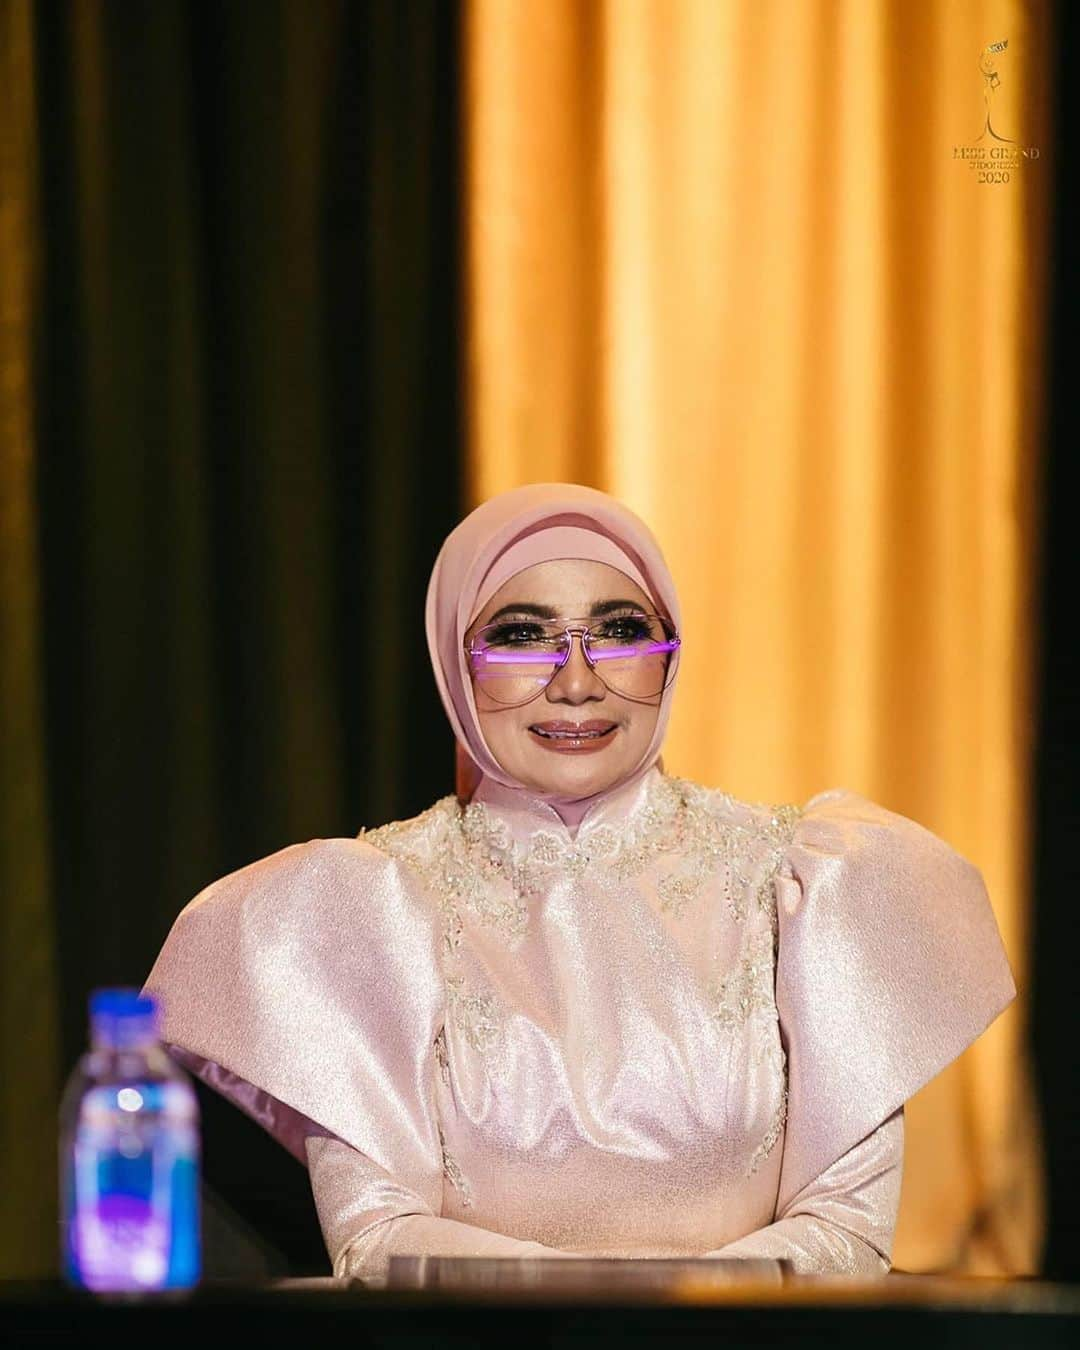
(843, 1223)
(690, 1024)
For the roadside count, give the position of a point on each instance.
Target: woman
(584, 1007)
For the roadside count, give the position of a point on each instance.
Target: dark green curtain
(247, 450)
(29, 1004)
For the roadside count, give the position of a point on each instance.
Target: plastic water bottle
(130, 1156)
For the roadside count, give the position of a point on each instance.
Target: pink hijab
(535, 523)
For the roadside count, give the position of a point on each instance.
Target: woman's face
(570, 588)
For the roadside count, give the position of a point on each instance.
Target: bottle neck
(122, 1034)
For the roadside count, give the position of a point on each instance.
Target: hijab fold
(536, 523)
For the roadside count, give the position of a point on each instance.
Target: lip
(574, 745)
(594, 724)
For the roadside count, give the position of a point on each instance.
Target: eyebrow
(546, 612)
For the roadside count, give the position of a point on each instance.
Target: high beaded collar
(524, 813)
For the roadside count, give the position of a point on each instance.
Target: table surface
(827, 1311)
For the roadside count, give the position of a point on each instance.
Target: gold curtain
(29, 1044)
(724, 261)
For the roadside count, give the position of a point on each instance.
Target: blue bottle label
(132, 1196)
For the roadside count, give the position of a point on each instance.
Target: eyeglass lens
(514, 660)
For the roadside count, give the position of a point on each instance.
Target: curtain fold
(230, 451)
(30, 1050)
(723, 260)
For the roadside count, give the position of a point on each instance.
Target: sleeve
(367, 1216)
(307, 989)
(843, 1221)
(889, 964)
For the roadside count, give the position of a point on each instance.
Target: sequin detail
(474, 1013)
(440, 1056)
(776, 1128)
(748, 987)
(472, 862)
(719, 837)
(746, 991)
(434, 846)
(453, 1172)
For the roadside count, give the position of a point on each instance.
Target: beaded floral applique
(747, 988)
(475, 1014)
(453, 1172)
(717, 841)
(434, 845)
(746, 991)
(441, 1057)
(471, 861)
(779, 1120)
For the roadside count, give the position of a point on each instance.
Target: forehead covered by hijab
(549, 543)
(506, 534)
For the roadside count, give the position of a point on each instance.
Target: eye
(508, 634)
(627, 627)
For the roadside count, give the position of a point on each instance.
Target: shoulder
(313, 916)
(710, 809)
(417, 838)
(869, 836)
(834, 821)
(290, 875)
(837, 839)
(859, 877)
(326, 882)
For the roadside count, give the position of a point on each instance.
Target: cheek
(498, 730)
(644, 724)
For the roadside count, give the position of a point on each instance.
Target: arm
(367, 1216)
(843, 1221)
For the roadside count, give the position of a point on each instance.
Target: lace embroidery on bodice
(747, 991)
(470, 860)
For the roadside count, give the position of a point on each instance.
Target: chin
(570, 775)
(582, 778)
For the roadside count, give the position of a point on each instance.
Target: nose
(575, 681)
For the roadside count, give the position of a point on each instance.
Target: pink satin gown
(689, 1028)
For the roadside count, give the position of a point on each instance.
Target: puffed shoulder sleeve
(889, 964)
(307, 988)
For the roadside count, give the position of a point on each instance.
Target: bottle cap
(123, 1018)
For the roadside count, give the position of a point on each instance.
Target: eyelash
(509, 626)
